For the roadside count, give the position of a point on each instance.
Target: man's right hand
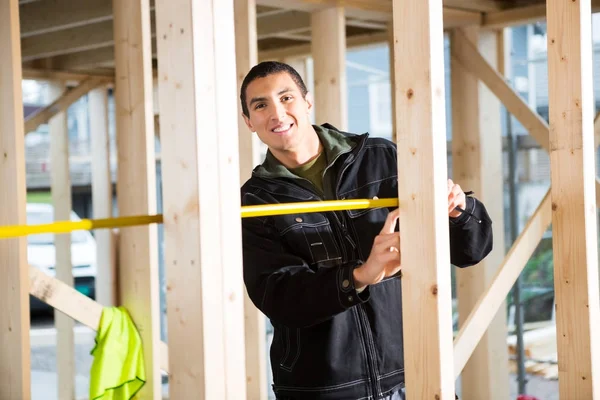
(384, 260)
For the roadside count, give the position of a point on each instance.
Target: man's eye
(287, 98)
(259, 106)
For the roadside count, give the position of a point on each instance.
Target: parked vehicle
(41, 253)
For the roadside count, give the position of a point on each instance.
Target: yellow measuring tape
(247, 212)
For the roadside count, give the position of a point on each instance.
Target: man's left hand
(456, 198)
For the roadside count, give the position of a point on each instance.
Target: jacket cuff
(464, 217)
(347, 295)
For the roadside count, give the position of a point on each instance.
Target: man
(330, 282)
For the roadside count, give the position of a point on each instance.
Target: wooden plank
(42, 17)
(473, 329)
(60, 184)
(81, 38)
(477, 166)
(43, 115)
(45, 74)
(478, 5)
(136, 182)
(469, 57)
(102, 197)
(205, 292)
(521, 15)
(77, 306)
(246, 51)
(422, 192)
(14, 315)
(329, 57)
(304, 50)
(574, 216)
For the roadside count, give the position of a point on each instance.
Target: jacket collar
(335, 143)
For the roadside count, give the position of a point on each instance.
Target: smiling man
(330, 282)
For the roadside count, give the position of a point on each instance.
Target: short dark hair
(265, 69)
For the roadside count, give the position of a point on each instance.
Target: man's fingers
(387, 241)
(390, 222)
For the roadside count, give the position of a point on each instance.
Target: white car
(41, 252)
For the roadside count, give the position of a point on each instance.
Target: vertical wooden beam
(329, 55)
(106, 282)
(14, 285)
(203, 252)
(423, 194)
(136, 182)
(574, 223)
(246, 51)
(61, 199)
(477, 165)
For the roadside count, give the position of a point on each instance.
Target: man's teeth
(282, 129)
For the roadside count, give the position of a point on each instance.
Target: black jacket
(330, 342)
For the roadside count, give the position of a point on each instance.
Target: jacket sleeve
(285, 288)
(471, 238)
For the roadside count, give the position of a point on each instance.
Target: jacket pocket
(310, 237)
(291, 345)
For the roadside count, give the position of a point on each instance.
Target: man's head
(276, 105)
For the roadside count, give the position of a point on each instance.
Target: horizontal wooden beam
(41, 17)
(304, 50)
(521, 15)
(69, 301)
(61, 104)
(489, 303)
(72, 40)
(61, 75)
(89, 58)
(289, 22)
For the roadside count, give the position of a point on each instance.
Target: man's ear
(309, 101)
(248, 123)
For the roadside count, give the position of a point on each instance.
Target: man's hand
(384, 260)
(456, 198)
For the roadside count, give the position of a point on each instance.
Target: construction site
(124, 149)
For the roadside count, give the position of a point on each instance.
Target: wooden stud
(60, 178)
(477, 164)
(422, 191)
(572, 172)
(246, 50)
(488, 304)
(329, 55)
(136, 182)
(102, 197)
(203, 252)
(14, 315)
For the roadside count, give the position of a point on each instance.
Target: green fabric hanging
(117, 371)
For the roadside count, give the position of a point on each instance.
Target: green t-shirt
(313, 170)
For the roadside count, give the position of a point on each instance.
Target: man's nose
(279, 112)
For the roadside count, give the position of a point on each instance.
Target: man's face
(278, 112)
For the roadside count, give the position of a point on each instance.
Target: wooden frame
(477, 166)
(201, 218)
(574, 214)
(14, 320)
(567, 139)
(422, 193)
(136, 181)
